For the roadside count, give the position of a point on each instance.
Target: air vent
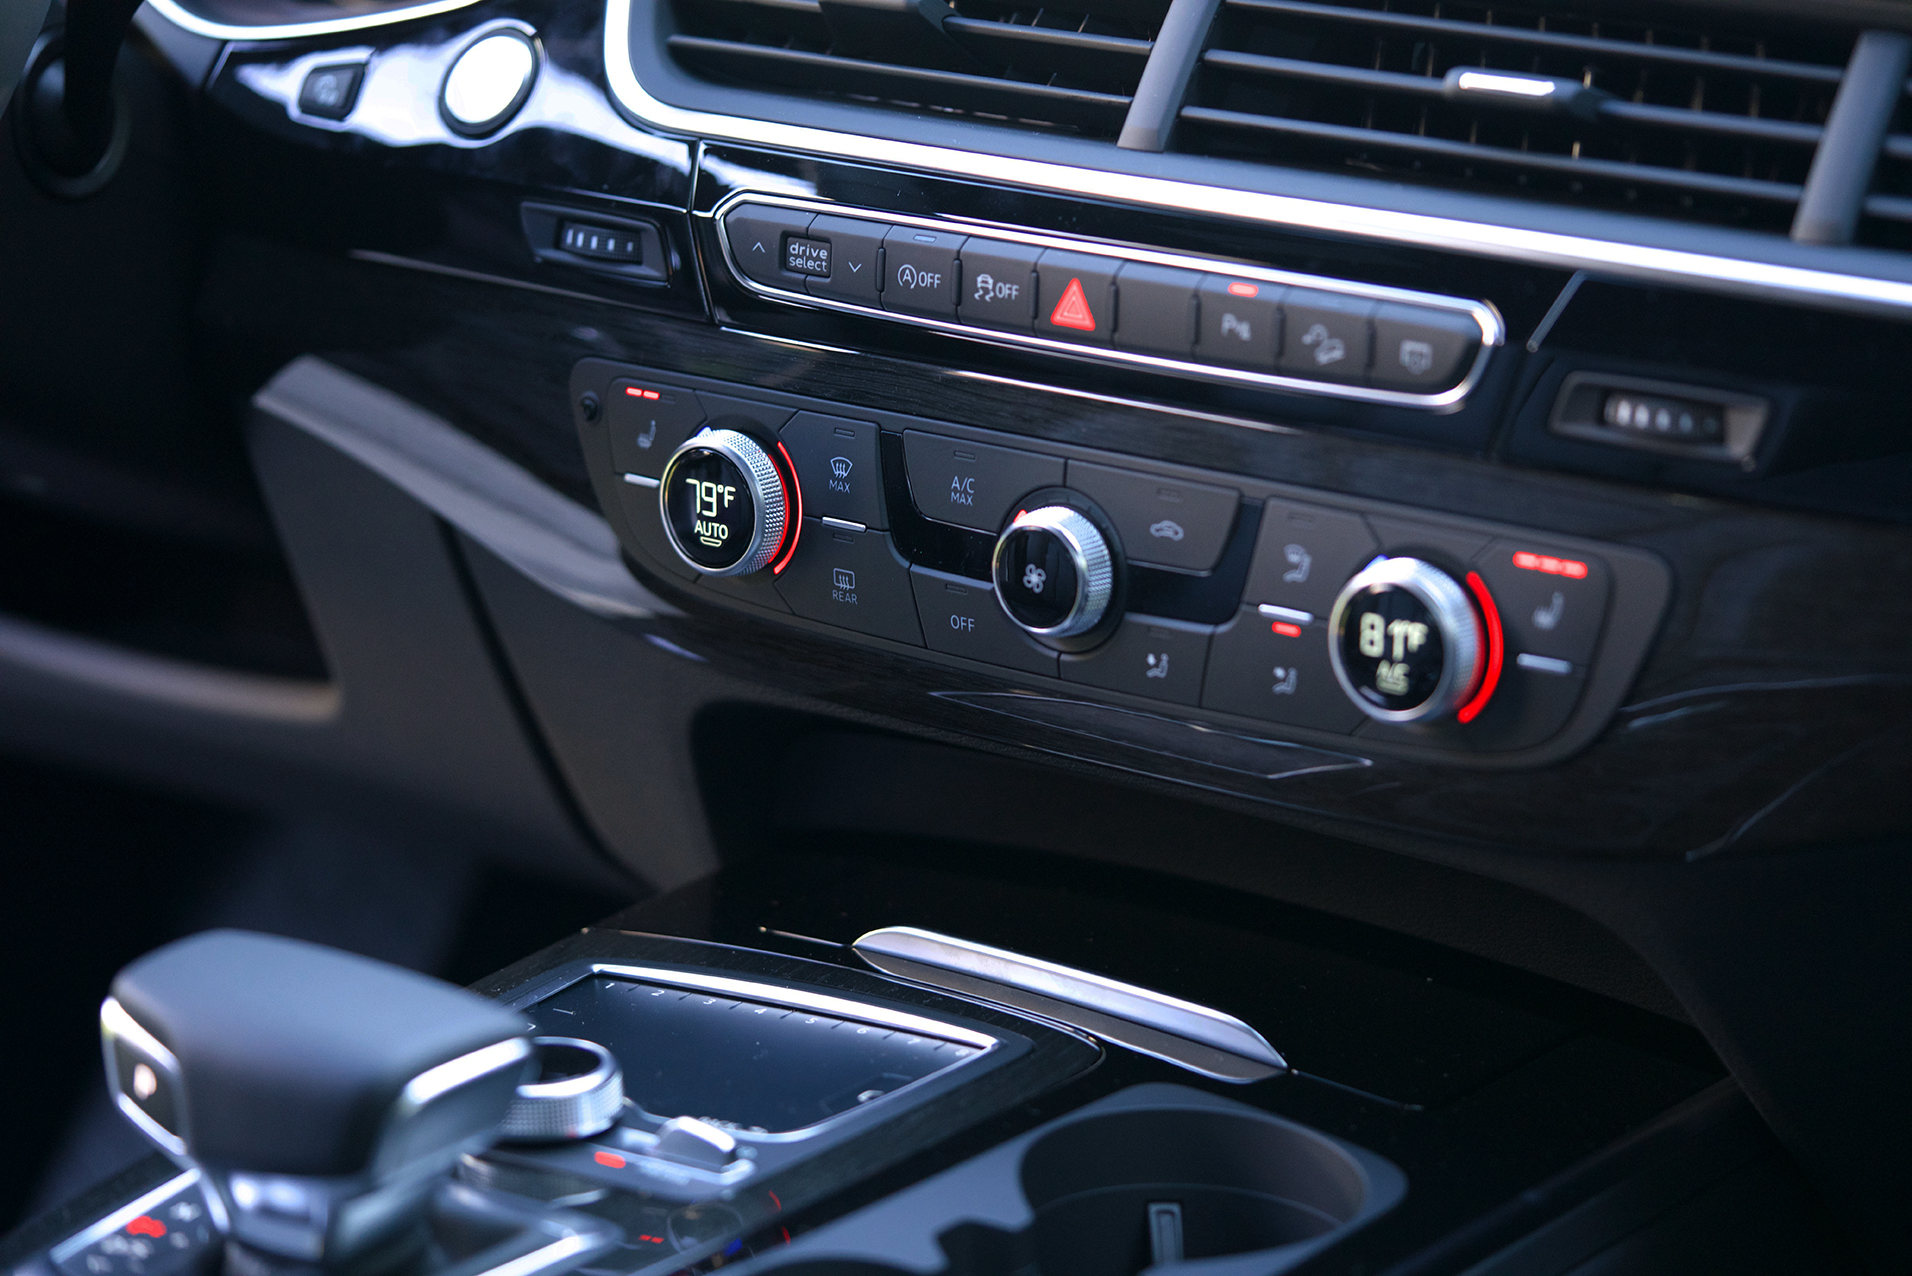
(1708, 119)
(1072, 70)
(1888, 208)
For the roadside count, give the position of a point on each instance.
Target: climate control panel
(1110, 578)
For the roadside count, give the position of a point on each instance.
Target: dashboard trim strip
(1493, 328)
(177, 14)
(1731, 275)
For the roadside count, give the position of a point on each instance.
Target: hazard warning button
(1075, 296)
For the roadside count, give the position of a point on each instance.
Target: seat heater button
(999, 285)
(837, 467)
(646, 421)
(920, 271)
(1325, 336)
(488, 82)
(757, 233)
(855, 251)
(961, 617)
(851, 579)
(1271, 668)
(1420, 348)
(972, 484)
(1241, 322)
(1075, 296)
(1157, 310)
(1304, 554)
(1160, 659)
(1551, 600)
(1162, 522)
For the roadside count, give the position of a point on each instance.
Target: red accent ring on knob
(1496, 650)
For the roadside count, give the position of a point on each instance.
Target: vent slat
(984, 95)
(1702, 60)
(1692, 121)
(1071, 70)
(1587, 169)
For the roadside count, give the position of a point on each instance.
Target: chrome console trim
(1493, 328)
(1142, 1019)
(177, 14)
(1709, 271)
(106, 1226)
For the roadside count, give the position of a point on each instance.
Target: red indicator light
(1239, 289)
(610, 1160)
(1073, 310)
(637, 393)
(774, 1199)
(146, 1225)
(1286, 630)
(793, 502)
(1571, 568)
(655, 1240)
(1496, 649)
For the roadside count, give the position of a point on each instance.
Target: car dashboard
(1383, 522)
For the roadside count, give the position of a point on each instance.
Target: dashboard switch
(1327, 337)
(1303, 555)
(1157, 310)
(920, 272)
(1272, 668)
(1551, 600)
(488, 81)
(999, 285)
(1162, 523)
(1406, 641)
(1240, 322)
(851, 579)
(330, 92)
(855, 259)
(601, 243)
(1076, 296)
(1054, 572)
(646, 421)
(1159, 659)
(837, 467)
(962, 618)
(972, 484)
(726, 505)
(1420, 349)
(757, 233)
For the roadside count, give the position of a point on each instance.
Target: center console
(829, 1062)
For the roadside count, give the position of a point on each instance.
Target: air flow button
(1162, 522)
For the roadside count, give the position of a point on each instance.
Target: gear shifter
(323, 1095)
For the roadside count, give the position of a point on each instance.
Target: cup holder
(1160, 1179)
(1117, 1193)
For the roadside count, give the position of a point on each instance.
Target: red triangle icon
(1073, 310)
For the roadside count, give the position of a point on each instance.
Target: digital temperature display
(1391, 648)
(710, 508)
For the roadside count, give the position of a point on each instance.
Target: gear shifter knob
(321, 1093)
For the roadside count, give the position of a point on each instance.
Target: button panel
(897, 506)
(1166, 311)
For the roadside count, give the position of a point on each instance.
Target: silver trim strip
(843, 523)
(1535, 247)
(436, 1082)
(122, 1216)
(177, 14)
(1144, 1006)
(798, 999)
(639, 480)
(1543, 664)
(1493, 329)
(1286, 613)
(117, 1024)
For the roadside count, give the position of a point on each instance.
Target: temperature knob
(1054, 572)
(727, 505)
(1406, 641)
